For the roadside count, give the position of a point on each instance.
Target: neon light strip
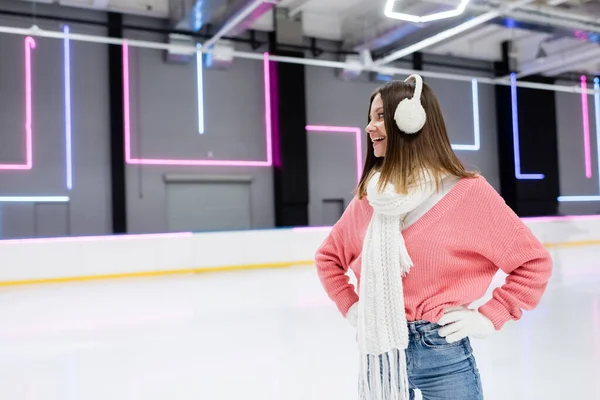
(34, 199)
(200, 89)
(29, 45)
(426, 18)
(586, 128)
(312, 229)
(476, 132)
(515, 128)
(597, 117)
(67, 64)
(98, 238)
(225, 163)
(596, 324)
(344, 129)
(565, 218)
(568, 199)
(268, 111)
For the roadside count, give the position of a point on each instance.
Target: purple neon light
(586, 128)
(344, 129)
(29, 45)
(515, 129)
(226, 163)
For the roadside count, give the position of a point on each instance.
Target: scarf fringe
(383, 377)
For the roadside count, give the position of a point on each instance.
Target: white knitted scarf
(382, 325)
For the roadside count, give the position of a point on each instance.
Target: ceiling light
(424, 18)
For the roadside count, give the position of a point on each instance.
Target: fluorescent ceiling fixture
(344, 129)
(515, 129)
(34, 199)
(476, 132)
(439, 37)
(200, 89)
(180, 162)
(586, 128)
(29, 45)
(67, 65)
(424, 18)
(597, 117)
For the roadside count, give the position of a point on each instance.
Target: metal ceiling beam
(297, 7)
(242, 19)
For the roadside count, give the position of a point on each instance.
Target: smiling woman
(422, 144)
(419, 210)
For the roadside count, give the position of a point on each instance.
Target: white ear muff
(410, 115)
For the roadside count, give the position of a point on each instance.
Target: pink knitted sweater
(456, 248)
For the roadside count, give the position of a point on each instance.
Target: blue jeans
(440, 370)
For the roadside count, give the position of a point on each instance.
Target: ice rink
(265, 335)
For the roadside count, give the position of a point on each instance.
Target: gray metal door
(208, 203)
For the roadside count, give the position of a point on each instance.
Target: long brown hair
(407, 155)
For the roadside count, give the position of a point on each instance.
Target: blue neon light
(476, 132)
(68, 139)
(515, 128)
(200, 89)
(34, 199)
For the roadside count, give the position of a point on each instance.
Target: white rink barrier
(29, 261)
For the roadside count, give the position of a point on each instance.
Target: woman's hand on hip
(459, 322)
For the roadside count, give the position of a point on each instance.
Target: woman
(418, 210)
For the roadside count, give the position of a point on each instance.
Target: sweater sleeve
(334, 257)
(528, 264)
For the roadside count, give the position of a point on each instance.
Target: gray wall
(330, 101)
(164, 126)
(573, 181)
(89, 209)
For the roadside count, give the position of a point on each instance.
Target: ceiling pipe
(561, 60)
(37, 32)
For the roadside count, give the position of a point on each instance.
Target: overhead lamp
(390, 13)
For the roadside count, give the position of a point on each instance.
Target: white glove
(459, 322)
(352, 314)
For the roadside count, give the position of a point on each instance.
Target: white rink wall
(74, 258)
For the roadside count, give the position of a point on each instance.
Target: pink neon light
(226, 163)
(345, 129)
(98, 238)
(586, 128)
(596, 325)
(126, 104)
(29, 44)
(268, 112)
